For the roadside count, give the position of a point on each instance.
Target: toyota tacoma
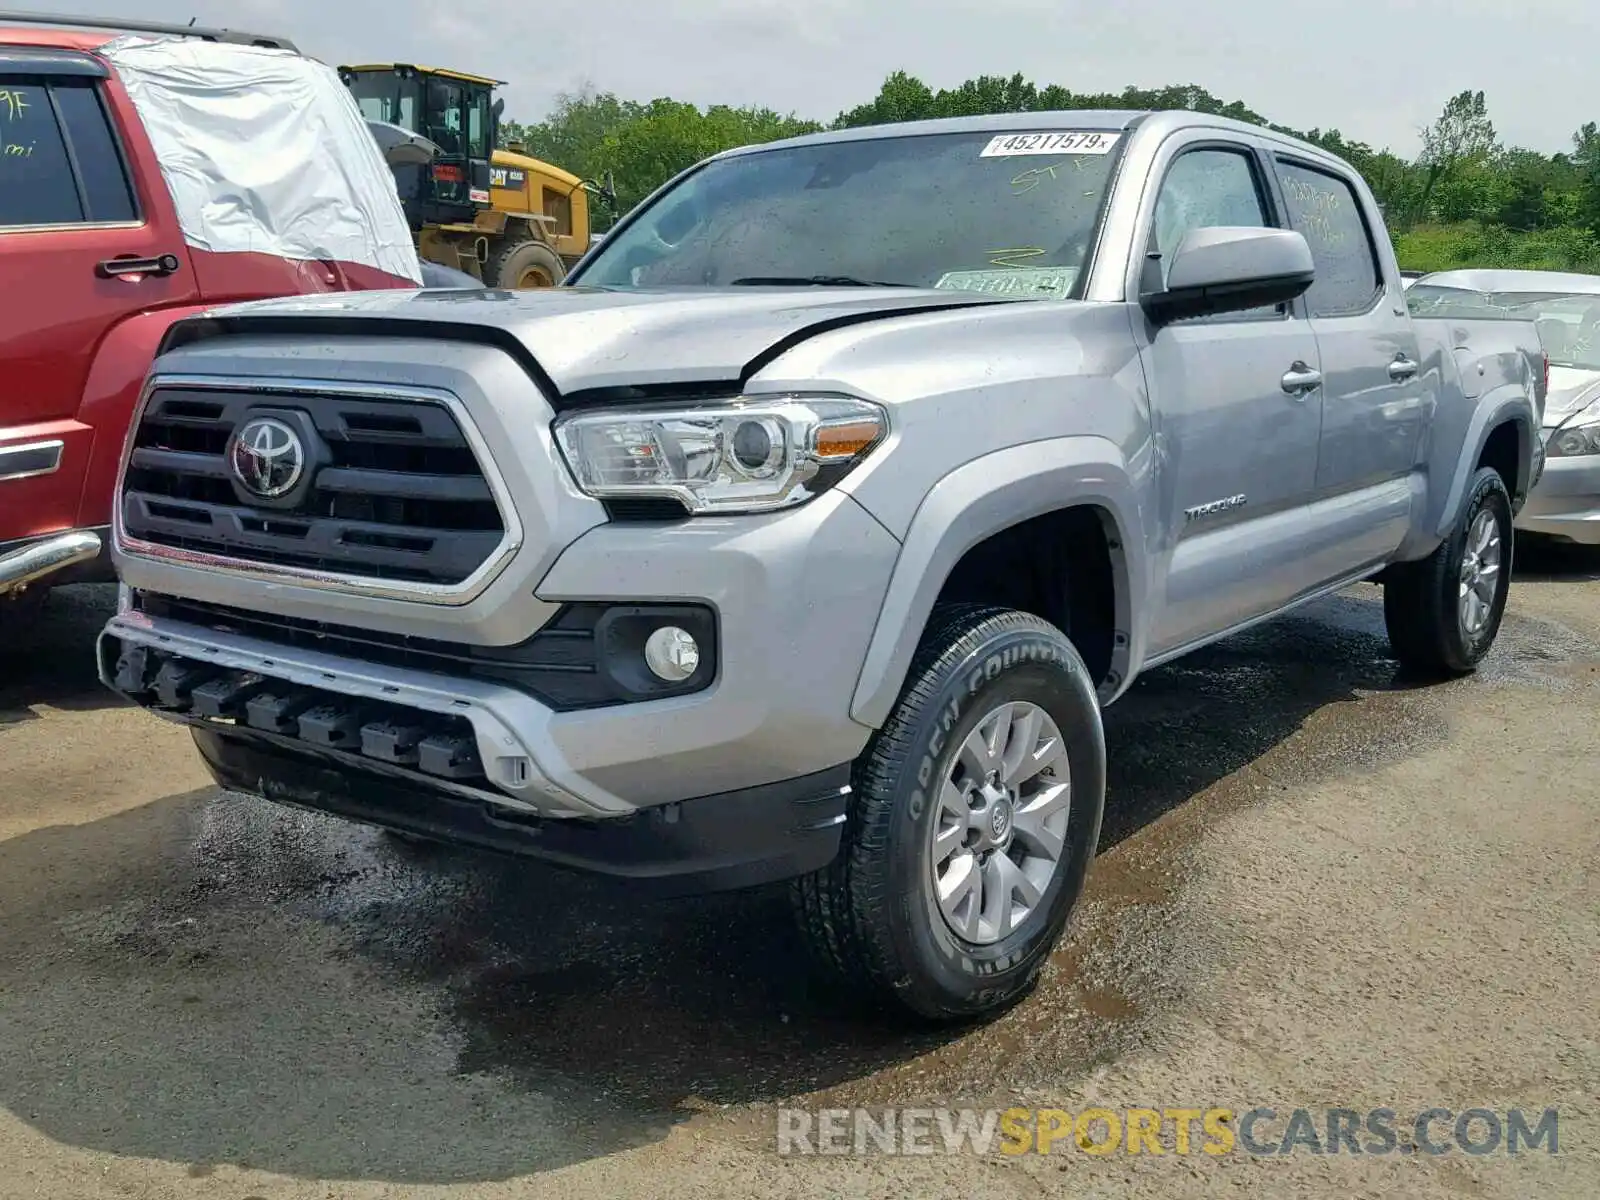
(805, 533)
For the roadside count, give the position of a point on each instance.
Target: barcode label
(1074, 141)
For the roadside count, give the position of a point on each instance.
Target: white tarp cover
(265, 151)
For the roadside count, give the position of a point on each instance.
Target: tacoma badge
(1216, 506)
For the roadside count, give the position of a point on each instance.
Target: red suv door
(80, 250)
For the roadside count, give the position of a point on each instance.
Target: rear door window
(1324, 209)
(60, 163)
(104, 175)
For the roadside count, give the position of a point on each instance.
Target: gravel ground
(1320, 886)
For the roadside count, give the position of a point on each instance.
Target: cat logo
(1216, 506)
(511, 177)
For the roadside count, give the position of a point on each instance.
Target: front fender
(979, 499)
(110, 392)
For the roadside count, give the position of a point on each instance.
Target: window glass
(1324, 209)
(929, 211)
(478, 126)
(36, 184)
(1206, 188)
(1568, 322)
(100, 165)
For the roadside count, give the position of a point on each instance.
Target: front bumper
(797, 596)
(78, 555)
(1566, 501)
(447, 759)
(712, 843)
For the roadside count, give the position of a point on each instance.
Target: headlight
(1580, 435)
(747, 455)
(1579, 439)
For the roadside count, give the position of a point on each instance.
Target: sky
(1378, 70)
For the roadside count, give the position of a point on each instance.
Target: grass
(1446, 247)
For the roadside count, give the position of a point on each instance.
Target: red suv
(147, 173)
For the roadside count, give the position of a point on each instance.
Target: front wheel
(976, 812)
(1444, 612)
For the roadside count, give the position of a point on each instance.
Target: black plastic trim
(43, 60)
(564, 666)
(723, 842)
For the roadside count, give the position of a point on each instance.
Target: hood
(586, 339)
(1572, 389)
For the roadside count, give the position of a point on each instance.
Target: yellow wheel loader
(504, 218)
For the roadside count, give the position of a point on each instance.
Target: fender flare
(981, 498)
(1494, 409)
(111, 390)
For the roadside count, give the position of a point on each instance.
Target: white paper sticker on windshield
(1070, 141)
(1038, 283)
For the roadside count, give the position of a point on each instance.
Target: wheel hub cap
(1002, 823)
(1480, 573)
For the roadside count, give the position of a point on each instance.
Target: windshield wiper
(812, 281)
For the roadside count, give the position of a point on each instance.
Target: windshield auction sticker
(1040, 283)
(1070, 141)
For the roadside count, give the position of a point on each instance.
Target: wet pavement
(206, 994)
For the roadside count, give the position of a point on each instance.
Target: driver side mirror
(1223, 269)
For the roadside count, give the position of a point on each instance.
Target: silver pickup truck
(804, 535)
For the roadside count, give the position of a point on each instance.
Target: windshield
(1568, 322)
(970, 211)
(384, 96)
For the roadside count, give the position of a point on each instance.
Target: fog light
(672, 654)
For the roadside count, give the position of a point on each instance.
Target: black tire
(1421, 600)
(511, 262)
(869, 918)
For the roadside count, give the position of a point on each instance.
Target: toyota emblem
(267, 457)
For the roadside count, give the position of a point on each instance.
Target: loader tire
(527, 263)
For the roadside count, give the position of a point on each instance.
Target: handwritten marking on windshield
(14, 104)
(1025, 181)
(1008, 258)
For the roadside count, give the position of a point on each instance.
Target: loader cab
(456, 112)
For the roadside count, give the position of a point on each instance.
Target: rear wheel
(1444, 612)
(524, 264)
(975, 815)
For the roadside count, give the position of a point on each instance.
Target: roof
(996, 122)
(1167, 121)
(1494, 280)
(55, 39)
(447, 72)
(69, 31)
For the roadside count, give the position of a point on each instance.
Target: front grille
(391, 488)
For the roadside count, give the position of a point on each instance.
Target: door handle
(1402, 368)
(1299, 380)
(112, 268)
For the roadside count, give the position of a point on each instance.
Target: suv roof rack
(236, 37)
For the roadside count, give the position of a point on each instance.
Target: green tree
(571, 135)
(1586, 169)
(668, 136)
(1458, 143)
(1465, 199)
